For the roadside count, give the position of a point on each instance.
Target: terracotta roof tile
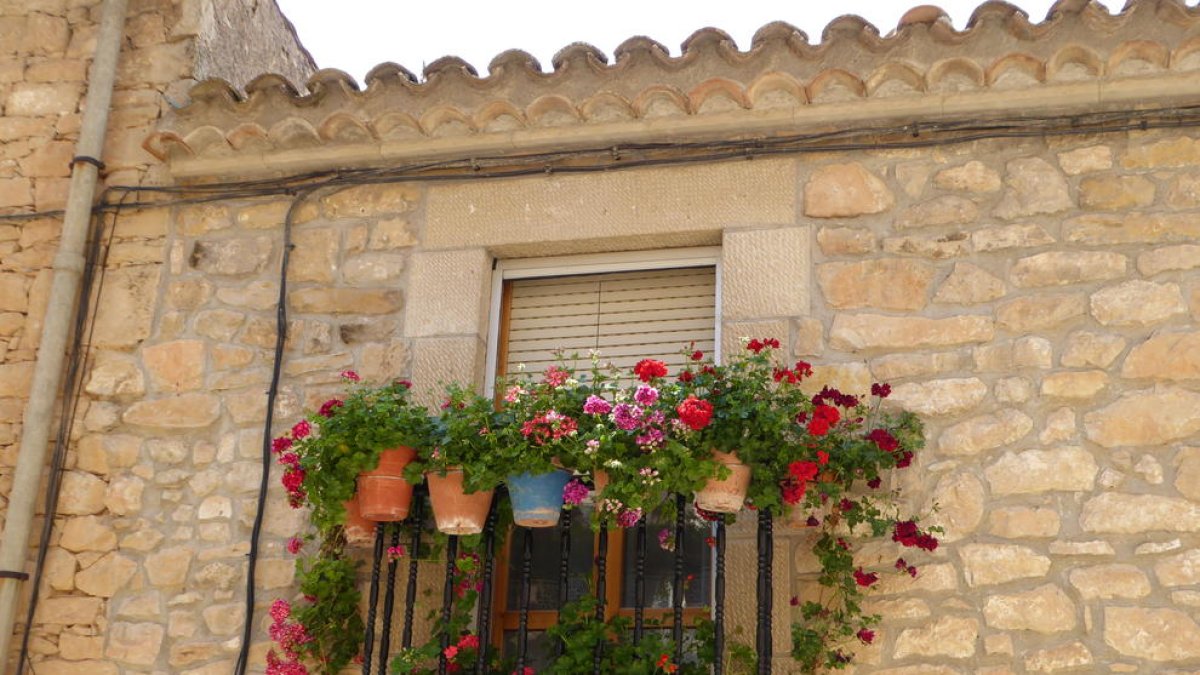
(925, 55)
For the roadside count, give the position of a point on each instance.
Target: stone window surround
(748, 208)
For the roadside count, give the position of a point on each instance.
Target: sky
(360, 34)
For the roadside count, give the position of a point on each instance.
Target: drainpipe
(48, 370)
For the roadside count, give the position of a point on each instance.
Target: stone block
(1070, 469)
(1179, 570)
(949, 636)
(969, 284)
(345, 301)
(126, 305)
(373, 269)
(1045, 609)
(1040, 312)
(845, 190)
(939, 211)
(939, 397)
(231, 257)
(87, 533)
(168, 567)
(1105, 582)
(1147, 417)
(437, 361)
(937, 246)
(1137, 303)
(1060, 268)
(1085, 160)
(1022, 522)
(898, 366)
(391, 234)
(1115, 193)
(859, 332)
(185, 411)
(1077, 385)
(42, 99)
(636, 208)
(1152, 634)
(985, 432)
(990, 564)
(1179, 151)
(746, 254)
(108, 575)
(838, 241)
(136, 644)
(369, 201)
(1165, 356)
(974, 176)
(959, 500)
(1119, 513)
(315, 256)
(888, 283)
(1033, 186)
(1097, 350)
(1169, 259)
(69, 610)
(1131, 228)
(448, 293)
(82, 494)
(175, 366)
(1069, 656)
(1003, 237)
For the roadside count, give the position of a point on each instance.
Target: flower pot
(455, 511)
(599, 482)
(725, 496)
(537, 500)
(359, 531)
(383, 494)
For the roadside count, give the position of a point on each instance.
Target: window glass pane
(660, 564)
(540, 653)
(547, 547)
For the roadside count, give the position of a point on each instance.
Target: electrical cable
(93, 273)
(272, 393)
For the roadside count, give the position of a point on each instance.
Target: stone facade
(1035, 300)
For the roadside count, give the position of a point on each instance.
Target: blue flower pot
(537, 500)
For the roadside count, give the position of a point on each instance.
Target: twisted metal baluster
(639, 584)
(373, 600)
(765, 558)
(483, 619)
(677, 590)
(601, 591)
(448, 599)
(410, 592)
(389, 599)
(564, 566)
(523, 626)
(719, 600)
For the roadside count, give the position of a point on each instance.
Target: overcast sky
(356, 35)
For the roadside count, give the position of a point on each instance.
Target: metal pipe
(414, 551)
(389, 602)
(68, 267)
(373, 599)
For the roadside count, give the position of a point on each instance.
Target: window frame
(504, 270)
(508, 269)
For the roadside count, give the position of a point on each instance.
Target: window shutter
(627, 316)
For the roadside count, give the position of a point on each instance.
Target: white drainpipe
(48, 371)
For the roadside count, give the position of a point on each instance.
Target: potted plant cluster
(747, 433)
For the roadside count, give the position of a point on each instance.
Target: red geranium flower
(694, 412)
(865, 579)
(649, 369)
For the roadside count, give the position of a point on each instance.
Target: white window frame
(595, 263)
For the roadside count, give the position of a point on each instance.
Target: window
(627, 307)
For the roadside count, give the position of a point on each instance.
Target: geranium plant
(326, 451)
(464, 436)
(539, 421)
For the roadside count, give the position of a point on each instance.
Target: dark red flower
(793, 491)
(903, 459)
(649, 369)
(686, 376)
(694, 412)
(847, 505)
(697, 355)
(865, 579)
(802, 369)
(706, 515)
(867, 636)
(795, 601)
(280, 444)
(822, 457)
(874, 483)
(906, 532)
(884, 439)
(812, 521)
(328, 407)
(803, 471)
(757, 345)
(881, 390)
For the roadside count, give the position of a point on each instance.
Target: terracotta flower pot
(599, 481)
(359, 531)
(383, 494)
(728, 495)
(455, 511)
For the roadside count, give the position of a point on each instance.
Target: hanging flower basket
(725, 495)
(455, 511)
(383, 494)
(537, 499)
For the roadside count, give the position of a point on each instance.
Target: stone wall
(45, 50)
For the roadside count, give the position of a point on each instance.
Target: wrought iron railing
(383, 625)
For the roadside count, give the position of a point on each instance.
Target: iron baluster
(373, 600)
(719, 600)
(765, 560)
(448, 599)
(601, 591)
(677, 589)
(483, 619)
(410, 593)
(526, 570)
(389, 599)
(564, 566)
(639, 583)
